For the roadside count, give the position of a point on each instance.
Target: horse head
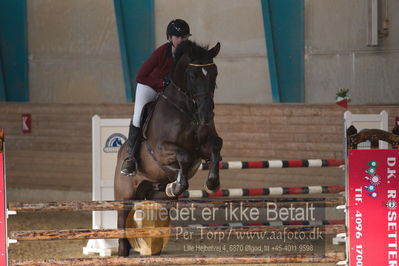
(195, 72)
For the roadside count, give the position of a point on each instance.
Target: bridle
(201, 65)
(187, 95)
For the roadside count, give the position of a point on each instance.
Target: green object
(283, 22)
(135, 21)
(373, 164)
(14, 84)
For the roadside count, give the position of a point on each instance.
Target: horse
(178, 133)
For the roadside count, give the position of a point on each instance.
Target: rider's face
(176, 40)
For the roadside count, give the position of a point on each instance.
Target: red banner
(372, 201)
(3, 224)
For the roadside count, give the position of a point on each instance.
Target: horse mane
(196, 51)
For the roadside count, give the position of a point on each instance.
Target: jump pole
(275, 223)
(269, 191)
(169, 260)
(277, 164)
(159, 232)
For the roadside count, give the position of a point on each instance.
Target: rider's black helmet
(179, 28)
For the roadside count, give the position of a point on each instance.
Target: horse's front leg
(174, 189)
(211, 150)
(212, 183)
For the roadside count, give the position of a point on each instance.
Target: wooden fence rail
(72, 234)
(169, 260)
(198, 203)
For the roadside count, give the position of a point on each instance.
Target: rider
(151, 79)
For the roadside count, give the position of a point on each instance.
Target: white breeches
(144, 95)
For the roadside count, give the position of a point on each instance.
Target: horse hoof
(169, 190)
(124, 252)
(210, 191)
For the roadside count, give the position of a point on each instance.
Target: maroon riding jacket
(157, 66)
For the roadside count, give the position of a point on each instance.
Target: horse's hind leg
(181, 184)
(124, 245)
(126, 188)
(212, 183)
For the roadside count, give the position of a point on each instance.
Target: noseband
(201, 65)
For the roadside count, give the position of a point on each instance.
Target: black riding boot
(129, 165)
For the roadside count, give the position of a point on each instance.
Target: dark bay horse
(177, 135)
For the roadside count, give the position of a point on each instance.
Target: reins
(166, 98)
(189, 97)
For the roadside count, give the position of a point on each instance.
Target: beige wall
(238, 26)
(74, 52)
(57, 154)
(337, 55)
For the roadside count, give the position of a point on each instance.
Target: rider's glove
(165, 82)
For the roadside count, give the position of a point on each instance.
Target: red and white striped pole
(277, 164)
(272, 191)
(274, 223)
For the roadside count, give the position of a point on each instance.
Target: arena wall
(337, 54)
(74, 52)
(243, 48)
(56, 155)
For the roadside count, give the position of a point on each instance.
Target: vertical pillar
(284, 32)
(14, 84)
(135, 21)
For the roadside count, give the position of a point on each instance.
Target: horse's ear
(185, 59)
(214, 51)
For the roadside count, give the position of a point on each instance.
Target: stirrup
(129, 167)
